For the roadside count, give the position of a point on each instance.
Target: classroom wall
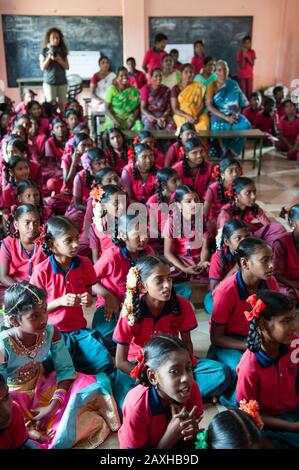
(275, 24)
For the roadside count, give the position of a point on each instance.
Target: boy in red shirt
(288, 130)
(153, 57)
(136, 77)
(251, 111)
(245, 60)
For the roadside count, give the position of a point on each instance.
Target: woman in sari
(99, 84)
(155, 104)
(225, 101)
(187, 101)
(122, 104)
(62, 409)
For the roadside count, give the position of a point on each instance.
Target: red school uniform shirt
(248, 215)
(112, 269)
(20, 261)
(137, 79)
(198, 63)
(267, 123)
(140, 190)
(286, 257)
(119, 162)
(153, 58)
(247, 70)
(216, 271)
(212, 198)
(16, 434)
(178, 230)
(289, 129)
(230, 303)
(173, 154)
(145, 419)
(49, 276)
(137, 336)
(9, 196)
(52, 150)
(271, 382)
(251, 115)
(200, 181)
(80, 189)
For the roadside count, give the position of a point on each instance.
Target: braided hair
(163, 176)
(228, 230)
(10, 165)
(237, 186)
(124, 150)
(190, 145)
(100, 175)
(146, 265)
(56, 227)
(20, 210)
(248, 247)
(125, 224)
(233, 429)
(276, 304)
(138, 149)
(94, 155)
(156, 353)
(224, 165)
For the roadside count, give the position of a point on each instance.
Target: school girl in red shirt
(92, 161)
(193, 169)
(288, 127)
(217, 194)
(268, 371)
(184, 245)
(223, 263)
(242, 206)
(286, 257)
(139, 177)
(67, 278)
(166, 408)
(54, 148)
(151, 305)
(146, 137)
(128, 246)
(229, 327)
(176, 151)
(16, 170)
(19, 253)
(116, 149)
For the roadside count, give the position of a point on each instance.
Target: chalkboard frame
(19, 52)
(188, 29)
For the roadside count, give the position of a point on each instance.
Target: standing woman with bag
(54, 63)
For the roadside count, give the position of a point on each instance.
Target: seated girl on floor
(165, 410)
(223, 262)
(152, 306)
(52, 404)
(242, 206)
(268, 370)
(184, 246)
(229, 327)
(176, 151)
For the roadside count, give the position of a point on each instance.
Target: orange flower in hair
(131, 154)
(42, 235)
(252, 409)
(97, 194)
(229, 192)
(257, 307)
(216, 171)
(140, 364)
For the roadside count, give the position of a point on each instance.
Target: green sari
(123, 103)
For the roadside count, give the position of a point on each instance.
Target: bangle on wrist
(59, 395)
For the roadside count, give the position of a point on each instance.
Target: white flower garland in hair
(97, 194)
(133, 278)
(218, 239)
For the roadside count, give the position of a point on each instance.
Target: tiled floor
(277, 186)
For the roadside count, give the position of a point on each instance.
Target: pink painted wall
(275, 24)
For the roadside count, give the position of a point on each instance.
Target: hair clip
(252, 409)
(229, 192)
(42, 235)
(131, 154)
(257, 307)
(139, 366)
(136, 140)
(216, 171)
(202, 440)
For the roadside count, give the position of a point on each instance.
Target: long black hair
(224, 165)
(163, 176)
(228, 230)
(276, 304)
(56, 227)
(95, 154)
(20, 210)
(145, 266)
(237, 186)
(124, 150)
(248, 247)
(190, 145)
(10, 165)
(138, 149)
(156, 353)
